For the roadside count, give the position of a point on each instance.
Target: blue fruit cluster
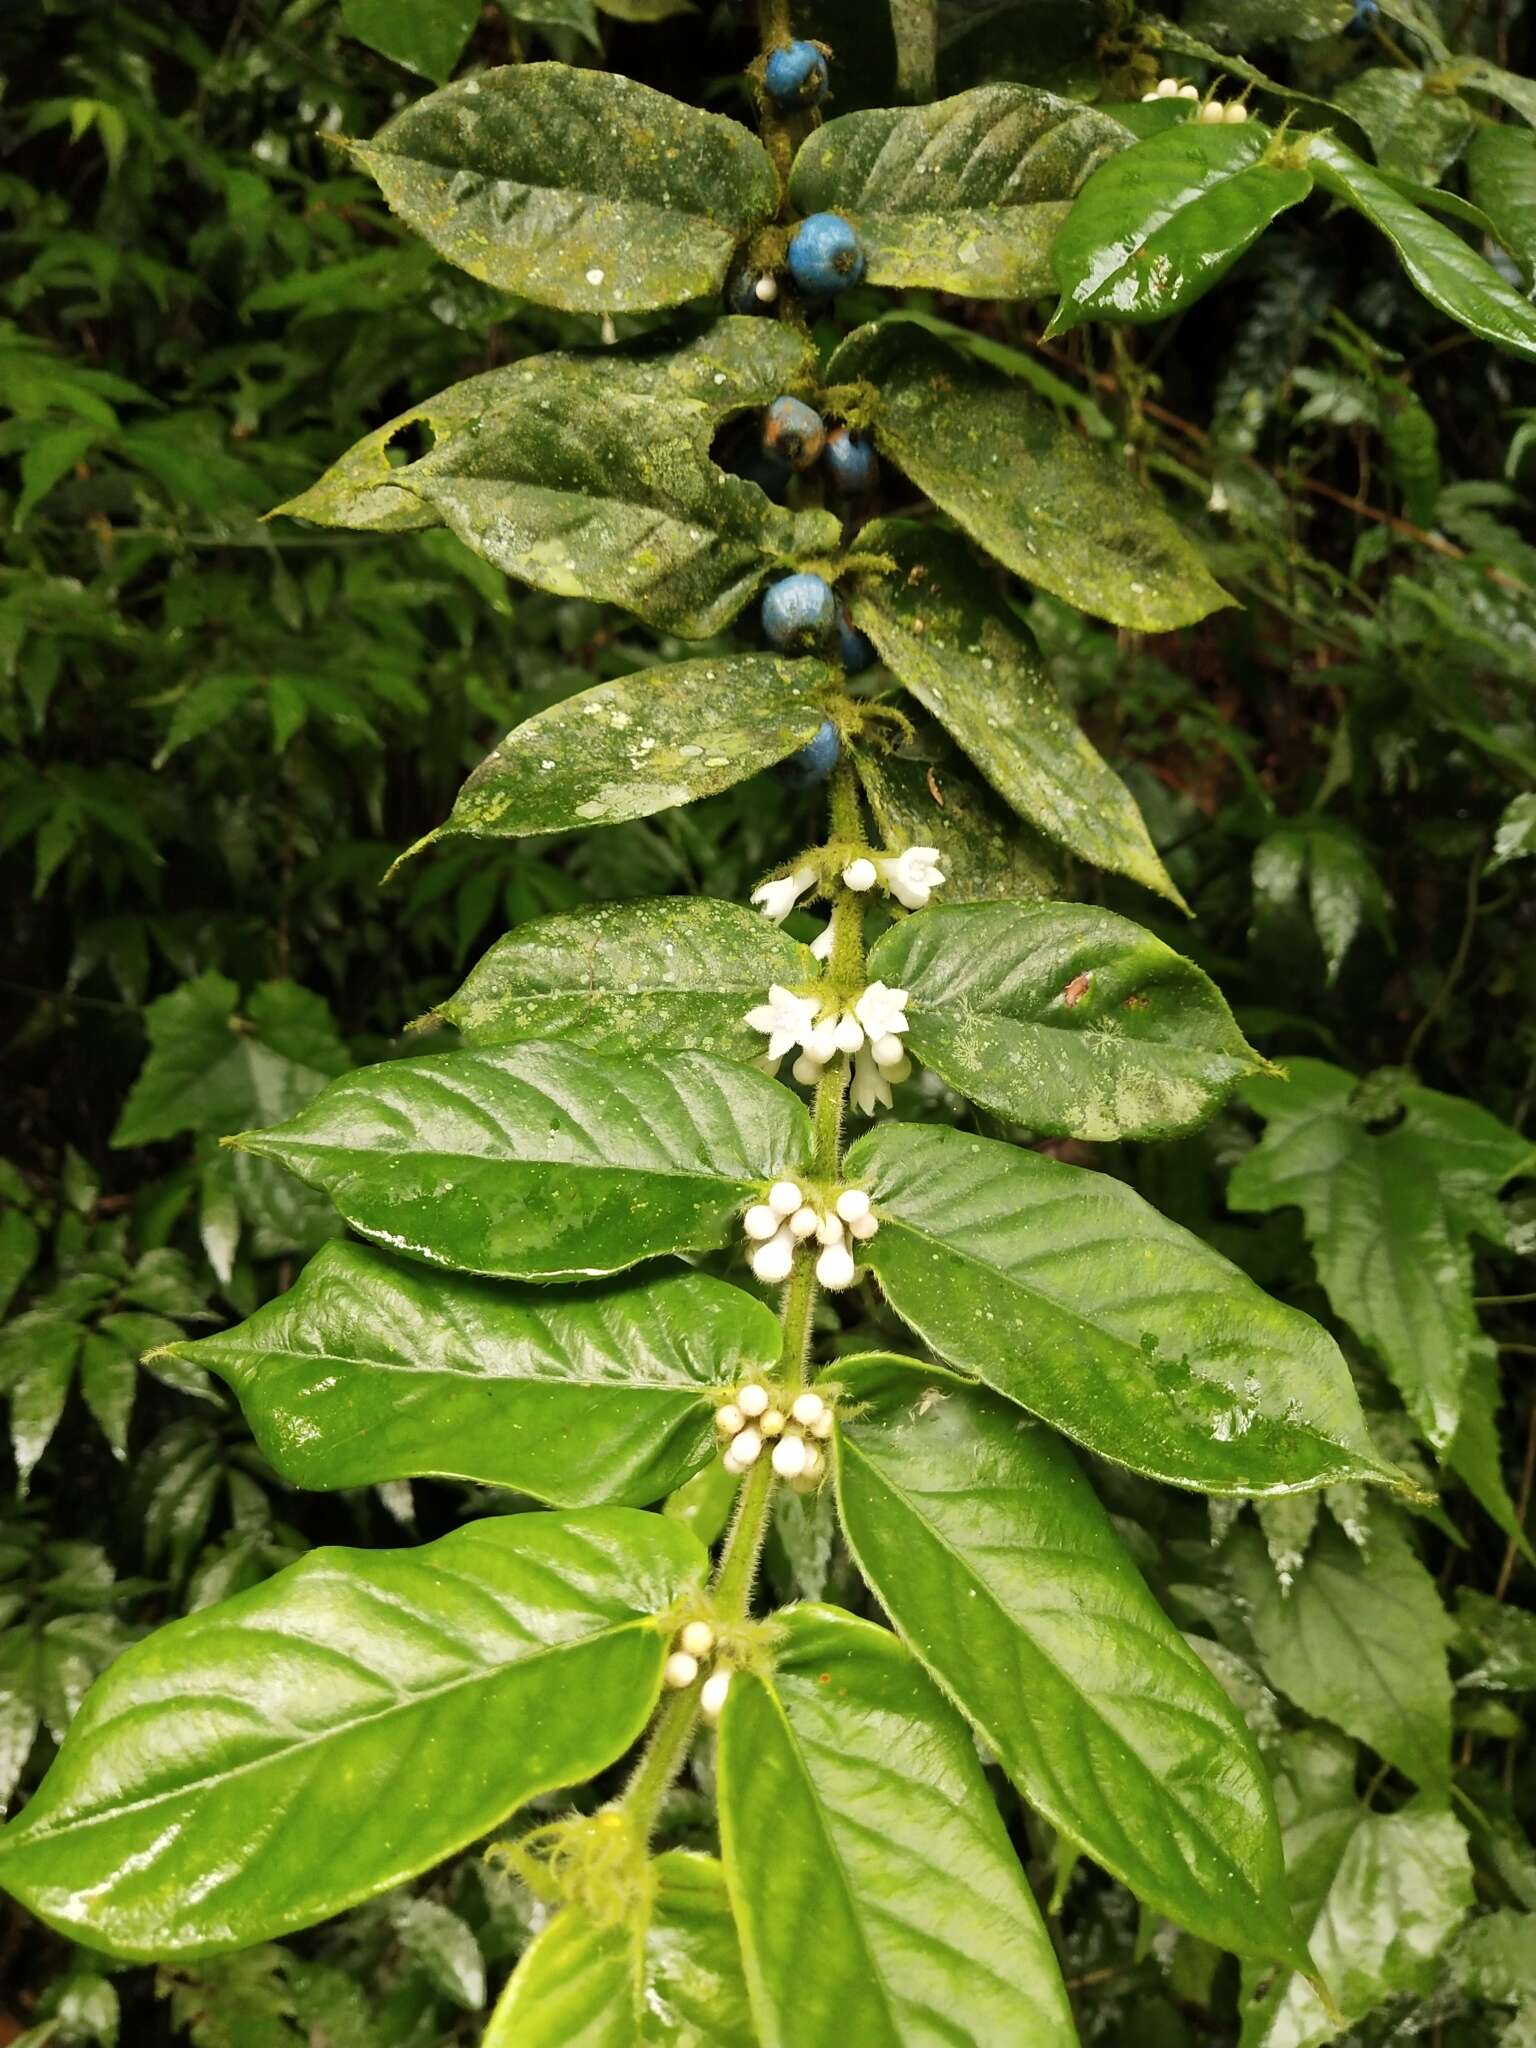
(795, 437)
(801, 615)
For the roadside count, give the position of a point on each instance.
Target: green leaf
(1344, 891)
(444, 1948)
(674, 1979)
(1158, 225)
(108, 1380)
(1449, 273)
(198, 1802)
(37, 1364)
(740, 363)
(576, 189)
(20, 1242)
(1516, 837)
(1508, 86)
(1068, 1293)
(580, 15)
(933, 800)
(1417, 129)
(371, 1369)
(1392, 1182)
(1359, 1639)
(544, 1162)
(1069, 1020)
(626, 749)
(943, 630)
(423, 35)
(1059, 511)
(986, 1546)
(1501, 172)
(902, 1884)
(667, 971)
(1501, 1641)
(962, 196)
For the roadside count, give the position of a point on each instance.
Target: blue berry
(794, 432)
(796, 76)
(799, 614)
(851, 463)
(825, 254)
(1363, 18)
(816, 760)
(855, 649)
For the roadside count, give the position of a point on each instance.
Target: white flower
(882, 1010)
(712, 1695)
(776, 899)
(835, 1268)
(787, 1018)
(870, 1090)
(771, 1261)
(821, 945)
(912, 876)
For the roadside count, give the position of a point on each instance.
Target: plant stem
(775, 29)
(664, 1756)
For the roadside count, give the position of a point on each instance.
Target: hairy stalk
(775, 28)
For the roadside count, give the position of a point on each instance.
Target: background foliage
(219, 733)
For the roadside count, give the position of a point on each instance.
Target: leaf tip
(419, 846)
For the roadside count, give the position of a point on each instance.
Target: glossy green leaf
(1390, 1212)
(626, 749)
(902, 1885)
(423, 35)
(963, 195)
(372, 1369)
(1061, 512)
(1069, 1020)
(931, 798)
(986, 1546)
(674, 1982)
(668, 971)
(1509, 86)
(1501, 171)
(38, 1352)
(205, 1786)
(1067, 1292)
(1417, 129)
(1449, 273)
(738, 364)
(544, 1162)
(576, 189)
(1499, 1641)
(1157, 226)
(1359, 1638)
(940, 625)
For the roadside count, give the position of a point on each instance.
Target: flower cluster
(870, 1028)
(1212, 111)
(910, 876)
(694, 1644)
(753, 1421)
(788, 1217)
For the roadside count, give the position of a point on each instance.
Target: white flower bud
(784, 1198)
(829, 1230)
(1211, 112)
(814, 1463)
(772, 1423)
(821, 1043)
(1237, 111)
(1167, 88)
(1189, 92)
(680, 1670)
(888, 1052)
(753, 1400)
(712, 1694)
(864, 1228)
(902, 1071)
(729, 1419)
(771, 1262)
(822, 1427)
(808, 1408)
(804, 1221)
(806, 1070)
(852, 1203)
(760, 1222)
(766, 290)
(744, 1450)
(698, 1639)
(835, 1267)
(821, 945)
(789, 1457)
(849, 1033)
(861, 874)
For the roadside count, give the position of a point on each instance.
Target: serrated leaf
(370, 1369)
(1449, 273)
(1390, 1213)
(963, 195)
(1358, 1639)
(943, 630)
(738, 364)
(544, 1162)
(1069, 1020)
(627, 749)
(576, 189)
(932, 799)
(986, 1546)
(925, 1930)
(197, 1803)
(674, 1980)
(1069, 1294)
(668, 971)
(1157, 226)
(1059, 511)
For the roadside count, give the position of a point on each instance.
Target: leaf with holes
(371, 1369)
(903, 1883)
(198, 1800)
(544, 1162)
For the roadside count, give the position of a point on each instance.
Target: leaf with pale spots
(203, 1788)
(962, 196)
(987, 1548)
(941, 626)
(925, 1931)
(670, 971)
(573, 188)
(1064, 513)
(544, 1162)
(645, 743)
(929, 797)
(1069, 1020)
(1067, 1292)
(372, 1369)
